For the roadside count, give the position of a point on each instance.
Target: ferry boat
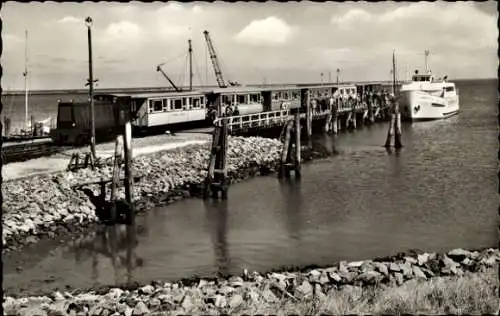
(428, 98)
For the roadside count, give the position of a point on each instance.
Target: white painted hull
(419, 105)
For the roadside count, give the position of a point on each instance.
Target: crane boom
(158, 68)
(215, 62)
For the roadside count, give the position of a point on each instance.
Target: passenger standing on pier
(229, 110)
(236, 111)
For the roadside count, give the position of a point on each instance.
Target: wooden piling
(348, 120)
(397, 126)
(371, 118)
(284, 171)
(116, 174)
(308, 116)
(291, 156)
(354, 120)
(391, 130)
(297, 145)
(328, 122)
(32, 128)
(7, 126)
(129, 180)
(216, 180)
(335, 120)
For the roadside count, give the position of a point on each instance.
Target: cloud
(123, 30)
(70, 20)
(351, 17)
(269, 31)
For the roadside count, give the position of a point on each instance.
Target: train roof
(155, 94)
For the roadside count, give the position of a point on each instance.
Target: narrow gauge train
(74, 123)
(157, 112)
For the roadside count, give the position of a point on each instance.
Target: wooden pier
(341, 114)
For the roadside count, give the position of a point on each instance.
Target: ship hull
(422, 106)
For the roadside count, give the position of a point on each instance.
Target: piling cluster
(46, 205)
(252, 291)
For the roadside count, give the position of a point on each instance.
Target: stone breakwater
(48, 205)
(252, 290)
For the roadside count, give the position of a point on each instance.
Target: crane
(215, 63)
(158, 68)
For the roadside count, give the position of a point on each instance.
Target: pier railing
(269, 119)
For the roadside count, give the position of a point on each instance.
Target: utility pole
(25, 74)
(338, 73)
(190, 67)
(88, 22)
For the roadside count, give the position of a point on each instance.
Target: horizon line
(214, 85)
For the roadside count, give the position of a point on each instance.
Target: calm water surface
(437, 193)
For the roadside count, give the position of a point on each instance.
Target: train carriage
(160, 110)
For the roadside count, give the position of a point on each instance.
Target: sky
(267, 42)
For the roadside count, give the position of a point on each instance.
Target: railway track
(26, 151)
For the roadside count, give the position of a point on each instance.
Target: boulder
(236, 301)
(459, 254)
(399, 278)
(140, 309)
(418, 273)
(382, 268)
(304, 290)
(422, 259)
(370, 277)
(394, 267)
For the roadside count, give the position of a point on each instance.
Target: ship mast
(190, 66)
(25, 74)
(393, 73)
(426, 57)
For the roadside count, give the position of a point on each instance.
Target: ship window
(449, 89)
(178, 104)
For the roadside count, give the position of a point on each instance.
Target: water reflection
(292, 196)
(117, 243)
(216, 212)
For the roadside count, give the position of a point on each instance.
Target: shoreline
(71, 213)
(312, 288)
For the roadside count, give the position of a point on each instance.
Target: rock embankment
(47, 205)
(249, 292)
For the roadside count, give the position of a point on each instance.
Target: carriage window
(254, 98)
(241, 99)
(185, 101)
(202, 102)
(177, 104)
(165, 105)
(196, 103)
(226, 99)
(155, 105)
(276, 95)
